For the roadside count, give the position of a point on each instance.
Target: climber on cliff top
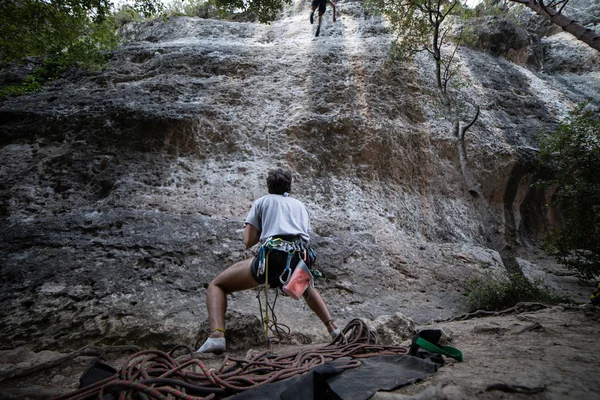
(278, 219)
(321, 4)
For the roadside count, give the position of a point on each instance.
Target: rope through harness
(282, 332)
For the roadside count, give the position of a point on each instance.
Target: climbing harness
(291, 248)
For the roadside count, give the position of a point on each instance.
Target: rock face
(124, 192)
(497, 35)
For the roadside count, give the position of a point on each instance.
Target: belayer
(322, 5)
(282, 226)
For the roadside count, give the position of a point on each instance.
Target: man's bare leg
(317, 304)
(319, 25)
(234, 279)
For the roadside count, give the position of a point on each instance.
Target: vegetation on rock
(60, 34)
(573, 153)
(421, 25)
(495, 293)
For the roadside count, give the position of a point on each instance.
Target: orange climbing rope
(153, 374)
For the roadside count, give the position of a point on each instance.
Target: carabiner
(287, 279)
(287, 269)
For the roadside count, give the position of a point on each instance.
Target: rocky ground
(550, 353)
(534, 351)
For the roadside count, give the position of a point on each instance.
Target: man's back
(276, 214)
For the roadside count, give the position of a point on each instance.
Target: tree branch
(447, 67)
(470, 124)
(586, 35)
(563, 6)
(444, 36)
(449, 10)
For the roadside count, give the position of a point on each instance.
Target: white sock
(334, 333)
(213, 345)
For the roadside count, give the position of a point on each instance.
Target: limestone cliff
(123, 192)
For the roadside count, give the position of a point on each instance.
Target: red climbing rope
(153, 374)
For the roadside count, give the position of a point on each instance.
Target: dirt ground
(544, 354)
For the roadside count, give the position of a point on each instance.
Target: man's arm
(251, 235)
(332, 8)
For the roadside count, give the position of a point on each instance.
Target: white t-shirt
(275, 214)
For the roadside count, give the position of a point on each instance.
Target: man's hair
(279, 181)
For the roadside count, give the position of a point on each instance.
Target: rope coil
(153, 374)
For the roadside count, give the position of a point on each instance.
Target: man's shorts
(322, 4)
(277, 261)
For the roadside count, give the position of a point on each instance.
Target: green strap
(447, 351)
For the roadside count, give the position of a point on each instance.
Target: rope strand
(154, 374)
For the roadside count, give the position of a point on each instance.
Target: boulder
(244, 331)
(394, 329)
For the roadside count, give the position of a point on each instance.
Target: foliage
(29, 84)
(191, 8)
(495, 293)
(494, 8)
(37, 28)
(62, 33)
(265, 10)
(414, 21)
(573, 153)
(422, 25)
(148, 8)
(125, 15)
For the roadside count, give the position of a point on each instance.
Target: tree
(265, 10)
(552, 10)
(573, 153)
(61, 33)
(420, 25)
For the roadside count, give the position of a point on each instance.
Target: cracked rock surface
(123, 192)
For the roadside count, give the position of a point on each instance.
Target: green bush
(200, 8)
(499, 292)
(572, 152)
(62, 33)
(125, 15)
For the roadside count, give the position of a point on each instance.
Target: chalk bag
(299, 282)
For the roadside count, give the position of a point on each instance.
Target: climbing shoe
(212, 345)
(318, 31)
(312, 18)
(335, 333)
